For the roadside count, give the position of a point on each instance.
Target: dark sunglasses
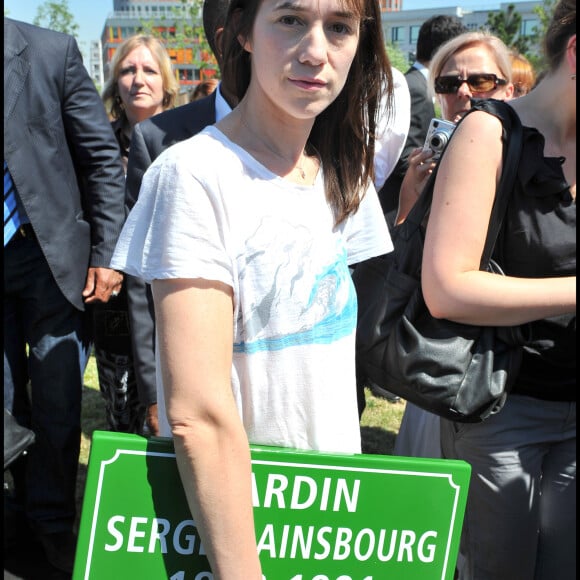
(478, 83)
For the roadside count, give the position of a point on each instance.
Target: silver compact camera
(438, 135)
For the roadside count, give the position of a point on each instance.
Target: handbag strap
(512, 134)
(513, 139)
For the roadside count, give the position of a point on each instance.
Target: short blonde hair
(492, 43)
(111, 96)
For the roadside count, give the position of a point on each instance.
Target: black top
(538, 240)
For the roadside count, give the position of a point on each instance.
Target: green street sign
(318, 516)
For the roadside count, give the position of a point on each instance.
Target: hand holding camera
(438, 135)
(421, 166)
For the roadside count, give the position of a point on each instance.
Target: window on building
(529, 27)
(414, 34)
(397, 34)
(185, 74)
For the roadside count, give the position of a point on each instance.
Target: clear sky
(90, 15)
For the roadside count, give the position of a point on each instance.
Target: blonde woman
(141, 85)
(473, 65)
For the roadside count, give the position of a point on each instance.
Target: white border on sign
(119, 452)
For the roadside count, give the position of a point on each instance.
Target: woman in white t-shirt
(246, 232)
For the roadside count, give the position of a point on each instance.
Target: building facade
(401, 28)
(391, 5)
(96, 63)
(192, 64)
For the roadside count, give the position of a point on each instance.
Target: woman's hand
(420, 168)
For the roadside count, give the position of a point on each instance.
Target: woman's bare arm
(195, 334)
(453, 286)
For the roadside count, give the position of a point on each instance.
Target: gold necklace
(297, 165)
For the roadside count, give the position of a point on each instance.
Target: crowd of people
(204, 253)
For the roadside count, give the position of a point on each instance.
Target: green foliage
(149, 28)
(56, 15)
(544, 11)
(507, 26)
(397, 57)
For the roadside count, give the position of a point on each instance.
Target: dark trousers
(43, 385)
(115, 367)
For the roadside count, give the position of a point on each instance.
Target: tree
(56, 15)
(507, 26)
(397, 57)
(544, 11)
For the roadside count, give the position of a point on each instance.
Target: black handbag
(458, 371)
(17, 439)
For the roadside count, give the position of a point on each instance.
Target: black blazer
(152, 136)
(422, 111)
(148, 140)
(62, 154)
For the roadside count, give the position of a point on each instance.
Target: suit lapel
(16, 66)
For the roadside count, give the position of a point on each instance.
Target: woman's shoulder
(489, 114)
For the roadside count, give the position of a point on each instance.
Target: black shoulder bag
(17, 439)
(458, 371)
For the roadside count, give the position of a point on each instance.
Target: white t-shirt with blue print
(208, 209)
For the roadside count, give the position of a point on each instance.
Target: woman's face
(469, 61)
(302, 53)
(140, 85)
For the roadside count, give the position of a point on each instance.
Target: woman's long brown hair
(344, 133)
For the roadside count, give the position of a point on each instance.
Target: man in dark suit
(63, 211)
(432, 34)
(149, 139)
